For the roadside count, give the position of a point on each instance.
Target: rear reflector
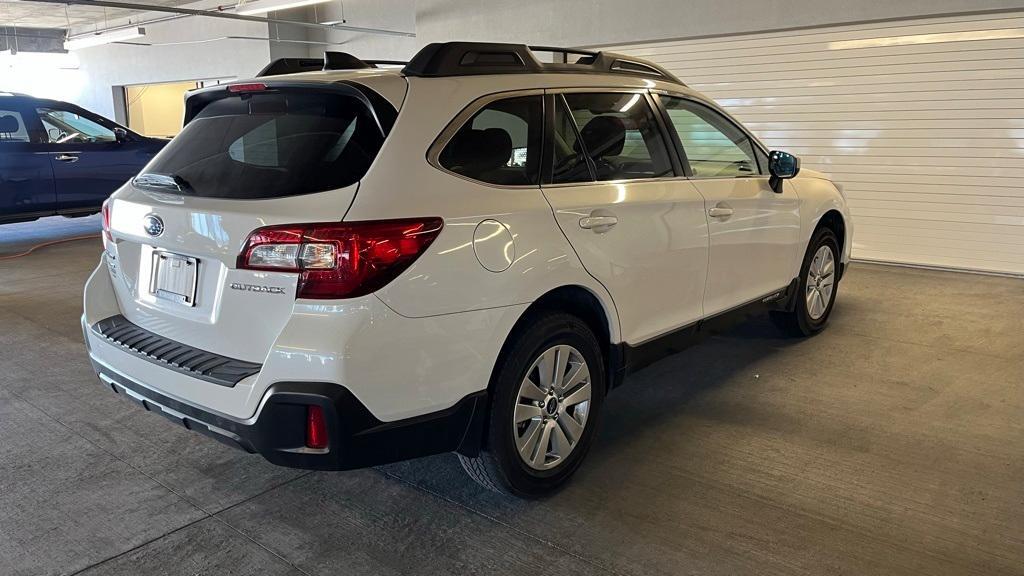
(254, 87)
(340, 259)
(107, 236)
(316, 428)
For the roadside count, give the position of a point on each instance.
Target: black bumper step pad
(183, 358)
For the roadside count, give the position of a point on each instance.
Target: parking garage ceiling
(27, 14)
(40, 25)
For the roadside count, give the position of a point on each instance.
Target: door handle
(720, 211)
(66, 158)
(598, 223)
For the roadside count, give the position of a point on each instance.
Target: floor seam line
(111, 454)
(217, 517)
(141, 545)
(501, 523)
(259, 544)
(172, 491)
(930, 346)
(725, 338)
(262, 492)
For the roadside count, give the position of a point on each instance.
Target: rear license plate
(174, 277)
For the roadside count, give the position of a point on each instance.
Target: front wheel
(547, 395)
(816, 293)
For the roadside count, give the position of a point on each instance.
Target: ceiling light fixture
(941, 37)
(90, 40)
(264, 6)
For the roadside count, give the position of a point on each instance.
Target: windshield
(269, 145)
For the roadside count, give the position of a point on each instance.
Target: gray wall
(293, 40)
(122, 64)
(591, 22)
(588, 22)
(559, 22)
(384, 14)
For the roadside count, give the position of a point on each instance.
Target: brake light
(343, 259)
(316, 427)
(105, 211)
(253, 87)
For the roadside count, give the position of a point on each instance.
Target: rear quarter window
(500, 144)
(12, 127)
(270, 144)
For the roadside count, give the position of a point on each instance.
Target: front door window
(715, 147)
(66, 127)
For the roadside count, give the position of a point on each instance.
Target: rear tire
(546, 399)
(816, 291)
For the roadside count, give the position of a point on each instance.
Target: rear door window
(500, 144)
(620, 136)
(570, 162)
(269, 145)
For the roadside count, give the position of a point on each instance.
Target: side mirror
(120, 134)
(782, 166)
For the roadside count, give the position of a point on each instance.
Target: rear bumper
(356, 438)
(397, 367)
(392, 387)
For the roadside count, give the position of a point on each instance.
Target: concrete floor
(891, 444)
(17, 238)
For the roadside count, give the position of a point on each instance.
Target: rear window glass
(269, 145)
(500, 144)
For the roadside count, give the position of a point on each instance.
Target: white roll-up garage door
(922, 121)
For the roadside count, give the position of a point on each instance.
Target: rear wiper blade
(162, 182)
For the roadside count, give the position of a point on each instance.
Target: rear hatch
(250, 156)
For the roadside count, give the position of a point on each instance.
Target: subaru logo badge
(153, 225)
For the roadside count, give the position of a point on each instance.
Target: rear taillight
(340, 260)
(250, 87)
(107, 236)
(316, 427)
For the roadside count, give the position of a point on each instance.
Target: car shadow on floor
(667, 390)
(649, 409)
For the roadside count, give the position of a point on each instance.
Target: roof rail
(330, 61)
(346, 61)
(472, 58)
(291, 66)
(563, 51)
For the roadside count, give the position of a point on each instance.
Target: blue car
(56, 158)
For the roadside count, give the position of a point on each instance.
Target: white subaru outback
(358, 265)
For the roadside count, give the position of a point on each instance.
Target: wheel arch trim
(592, 306)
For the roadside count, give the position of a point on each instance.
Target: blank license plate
(174, 277)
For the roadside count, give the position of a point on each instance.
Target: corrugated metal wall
(921, 120)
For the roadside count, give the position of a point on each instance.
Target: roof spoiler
(330, 61)
(472, 58)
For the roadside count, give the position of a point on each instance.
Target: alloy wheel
(820, 282)
(552, 407)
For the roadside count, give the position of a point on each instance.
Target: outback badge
(256, 288)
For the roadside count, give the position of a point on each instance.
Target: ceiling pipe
(222, 38)
(220, 12)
